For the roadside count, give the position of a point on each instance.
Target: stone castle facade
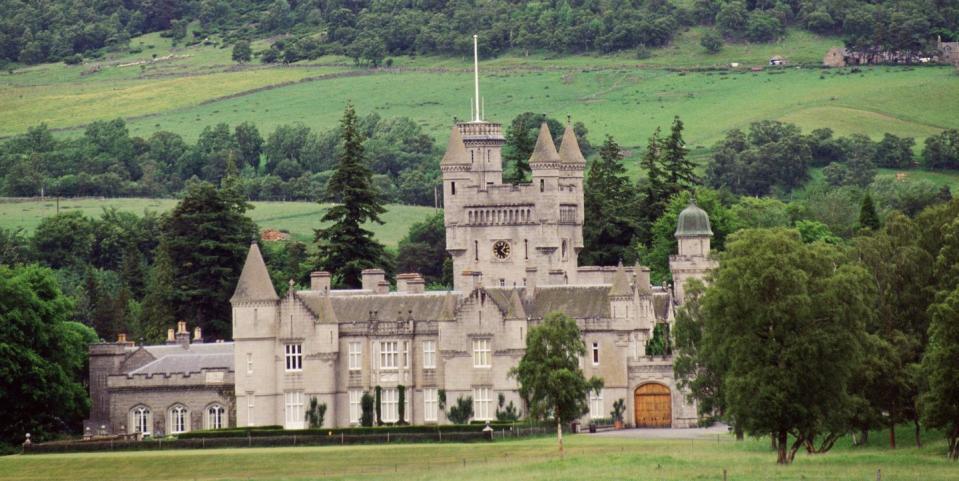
(514, 251)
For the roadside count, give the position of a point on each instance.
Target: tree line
(291, 163)
(368, 31)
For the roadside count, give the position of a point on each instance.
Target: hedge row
(375, 430)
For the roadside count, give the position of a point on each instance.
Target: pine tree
(158, 313)
(940, 399)
(345, 248)
(654, 195)
(678, 168)
(868, 218)
(608, 229)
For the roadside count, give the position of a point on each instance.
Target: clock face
(501, 249)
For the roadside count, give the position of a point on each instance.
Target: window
(542, 185)
(215, 417)
(525, 249)
(429, 404)
(356, 408)
(502, 282)
(481, 353)
(294, 357)
(389, 405)
(595, 353)
(429, 354)
(388, 355)
(596, 410)
(249, 363)
(564, 249)
(295, 415)
(406, 355)
(142, 420)
(453, 188)
(178, 419)
(250, 399)
(475, 250)
(482, 404)
(356, 356)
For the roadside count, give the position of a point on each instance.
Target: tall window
(453, 188)
(249, 363)
(250, 401)
(406, 354)
(482, 404)
(356, 409)
(295, 415)
(294, 357)
(596, 410)
(542, 185)
(475, 250)
(429, 404)
(356, 356)
(178, 419)
(141, 420)
(481, 353)
(389, 405)
(388, 355)
(595, 353)
(429, 354)
(215, 416)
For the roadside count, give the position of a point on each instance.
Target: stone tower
(693, 234)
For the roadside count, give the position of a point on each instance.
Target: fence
(284, 440)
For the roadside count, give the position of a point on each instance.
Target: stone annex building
(514, 251)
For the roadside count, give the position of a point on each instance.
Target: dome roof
(693, 221)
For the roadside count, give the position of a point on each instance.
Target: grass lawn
(592, 458)
(299, 218)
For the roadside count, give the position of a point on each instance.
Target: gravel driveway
(662, 433)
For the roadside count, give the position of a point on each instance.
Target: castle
(514, 249)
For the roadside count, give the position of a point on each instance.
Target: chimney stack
(170, 336)
(197, 335)
(371, 278)
(182, 335)
(416, 285)
(320, 281)
(382, 287)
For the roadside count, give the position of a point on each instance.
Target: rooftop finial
(477, 115)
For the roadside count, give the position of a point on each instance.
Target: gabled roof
(569, 151)
(516, 309)
(455, 149)
(545, 150)
(254, 284)
(432, 306)
(578, 302)
(620, 286)
(319, 304)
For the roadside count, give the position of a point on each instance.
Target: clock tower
(511, 235)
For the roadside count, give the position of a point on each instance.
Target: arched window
(179, 419)
(141, 420)
(216, 417)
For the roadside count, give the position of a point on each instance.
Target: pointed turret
(449, 308)
(254, 284)
(516, 309)
(620, 287)
(455, 150)
(545, 150)
(569, 151)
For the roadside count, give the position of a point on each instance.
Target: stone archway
(653, 406)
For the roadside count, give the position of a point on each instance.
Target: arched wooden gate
(653, 404)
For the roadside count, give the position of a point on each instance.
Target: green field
(587, 458)
(617, 94)
(298, 218)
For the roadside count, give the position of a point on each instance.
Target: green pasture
(298, 218)
(587, 457)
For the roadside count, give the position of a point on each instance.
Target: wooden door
(653, 404)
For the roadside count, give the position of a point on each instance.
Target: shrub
(366, 403)
(462, 411)
(712, 41)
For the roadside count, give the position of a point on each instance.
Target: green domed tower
(693, 233)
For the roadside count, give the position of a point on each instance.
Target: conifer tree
(940, 400)
(608, 228)
(678, 168)
(158, 313)
(345, 248)
(868, 218)
(654, 195)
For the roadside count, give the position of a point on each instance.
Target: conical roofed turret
(254, 284)
(620, 287)
(545, 150)
(569, 151)
(516, 309)
(455, 149)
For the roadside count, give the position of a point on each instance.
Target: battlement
(473, 131)
(216, 377)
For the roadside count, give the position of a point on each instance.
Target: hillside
(297, 218)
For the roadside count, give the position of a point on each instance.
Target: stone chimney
(320, 281)
(557, 277)
(382, 287)
(121, 338)
(371, 278)
(642, 280)
(170, 336)
(410, 282)
(531, 274)
(197, 335)
(182, 335)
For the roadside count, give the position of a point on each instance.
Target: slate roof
(620, 286)
(455, 149)
(574, 301)
(174, 358)
(254, 283)
(545, 150)
(389, 307)
(569, 151)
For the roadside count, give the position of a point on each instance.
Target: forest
(70, 30)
